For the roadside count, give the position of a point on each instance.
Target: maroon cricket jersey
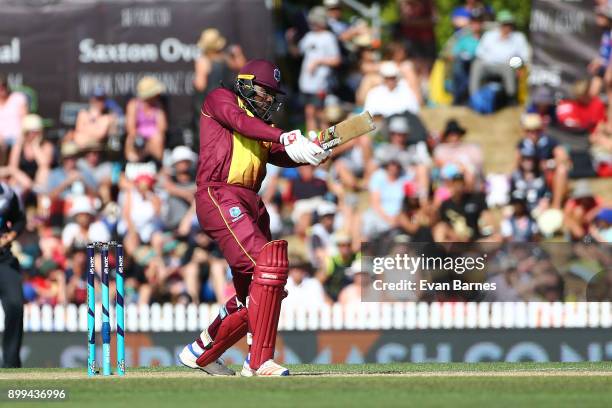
(234, 144)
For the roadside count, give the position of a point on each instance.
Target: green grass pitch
(366, 385)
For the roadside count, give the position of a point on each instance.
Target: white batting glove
(302, 150)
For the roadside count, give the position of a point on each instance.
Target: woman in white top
(141, 213)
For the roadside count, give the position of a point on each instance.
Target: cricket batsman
(237, 140)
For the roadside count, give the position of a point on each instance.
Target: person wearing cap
(67, 180)
(32, 153)
(12, 223)
(464, 52)
(601, 227)
(13, 109)
(464, 214)
(413, 155)
(145, 120)
(552, 158)
(332, 273)
(528, 183)
(494, 53)
(580, 210)
(415, 219)
(462, 15)
(321, 55)
(386, 188)
(179, 184)
(95, 123)
(542, 102)
(453, 149)
(320, 240)
(237, 141)
(359, 277)
(394, 96)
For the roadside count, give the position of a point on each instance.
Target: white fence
(360, 316)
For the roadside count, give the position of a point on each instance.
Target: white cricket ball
(515, 62)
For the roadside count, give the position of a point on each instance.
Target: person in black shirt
(463, 216)
(527, 182)
(12, 223)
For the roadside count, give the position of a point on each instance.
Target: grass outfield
(387, 385)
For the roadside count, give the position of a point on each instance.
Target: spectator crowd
(401, 184)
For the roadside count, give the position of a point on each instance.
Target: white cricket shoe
(267, 369)
(188, 358)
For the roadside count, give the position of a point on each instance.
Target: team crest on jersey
(235, 213)
(277, 75)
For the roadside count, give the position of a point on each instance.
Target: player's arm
(221, 106)
(15, 216)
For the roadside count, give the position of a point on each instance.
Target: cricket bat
(345, 131)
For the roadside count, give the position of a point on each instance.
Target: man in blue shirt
(463, 53)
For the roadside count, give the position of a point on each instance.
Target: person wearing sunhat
(453, 149)
(83, 228)
(301, 287)
(146, 121)
(213, 66)
(32, 153)
(497, 54)
(94, 162)
(552, 158)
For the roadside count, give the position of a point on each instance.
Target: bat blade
(346, 130)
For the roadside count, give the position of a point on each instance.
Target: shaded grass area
(569, 390)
